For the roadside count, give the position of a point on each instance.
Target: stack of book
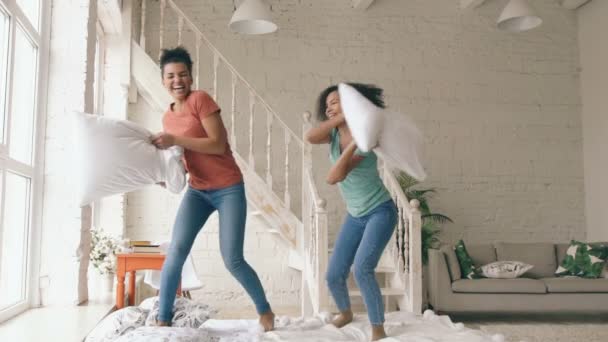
(144, 247)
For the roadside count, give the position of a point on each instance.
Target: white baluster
(407, 253)
(401, 263)
(251, 135)
(414, 248)
(268, 148)
(180, 29)
(216, 63)
(321, 237)
(287, 197)
(306, 148)
(233, 113)
(163, 5)
(197, 64)
(142, 31)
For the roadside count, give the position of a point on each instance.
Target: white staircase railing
(315, 244)
(308, 236)
(406, 247)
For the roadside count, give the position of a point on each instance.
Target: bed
(193, 322)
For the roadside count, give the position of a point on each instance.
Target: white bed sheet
(400, 326)
(191, 323)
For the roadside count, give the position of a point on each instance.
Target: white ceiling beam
(572, 4)
(362, 5)
(109, 12)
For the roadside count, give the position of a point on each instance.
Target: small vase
(108, 282)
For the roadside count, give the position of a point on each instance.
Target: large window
(20, 84)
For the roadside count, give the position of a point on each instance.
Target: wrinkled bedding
(192, 322)
(137, 323)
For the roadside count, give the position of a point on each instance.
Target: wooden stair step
(258, 214)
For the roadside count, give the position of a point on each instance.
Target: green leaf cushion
(583, 260)
(467, 266)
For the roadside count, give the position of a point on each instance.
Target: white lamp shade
(518, 16)
(252, 17)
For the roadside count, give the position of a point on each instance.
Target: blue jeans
(362, 241)
(195, 208)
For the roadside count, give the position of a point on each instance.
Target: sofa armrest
(440, 283)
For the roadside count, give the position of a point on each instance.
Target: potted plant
(430, 221)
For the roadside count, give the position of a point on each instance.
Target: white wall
(500, 111)
(65, 227)
(594, 82)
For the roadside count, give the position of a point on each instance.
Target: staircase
(296, 214)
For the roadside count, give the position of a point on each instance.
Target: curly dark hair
(176, 55)
(370, 91)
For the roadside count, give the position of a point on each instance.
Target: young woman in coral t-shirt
(193, 122)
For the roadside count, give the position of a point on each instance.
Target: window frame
(100, 50)
(35, 171)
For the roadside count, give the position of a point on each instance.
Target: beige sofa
(537, 291)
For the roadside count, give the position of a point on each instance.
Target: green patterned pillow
(583, 260)
(467, 267)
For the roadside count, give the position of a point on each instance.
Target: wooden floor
(56, 323)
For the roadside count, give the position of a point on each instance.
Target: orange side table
(131, 262)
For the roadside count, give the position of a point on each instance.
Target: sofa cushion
(452, 261)
(560, 252)
(583, 260)
(562, 248)
(575, 284)
(505, 269)
(518, 285)
(605, 270)
(482, 254)
(540, 255)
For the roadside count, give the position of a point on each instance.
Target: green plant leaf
(438, 218)
(430, 231)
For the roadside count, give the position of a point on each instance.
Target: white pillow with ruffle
(505, 269)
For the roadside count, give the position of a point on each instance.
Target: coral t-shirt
(207, 171)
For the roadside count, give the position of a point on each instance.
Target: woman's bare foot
(162, 323)
(267, 321)
(378, 332)
(343, 319)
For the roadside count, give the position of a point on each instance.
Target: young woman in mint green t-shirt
(371, 214)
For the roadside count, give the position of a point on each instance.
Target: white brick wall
(500, 111)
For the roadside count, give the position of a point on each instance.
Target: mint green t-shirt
(362, 189)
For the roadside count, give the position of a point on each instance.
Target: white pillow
(392, 135)
(505, 269)
(362, 116)
(117, 156)
(400, 144)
